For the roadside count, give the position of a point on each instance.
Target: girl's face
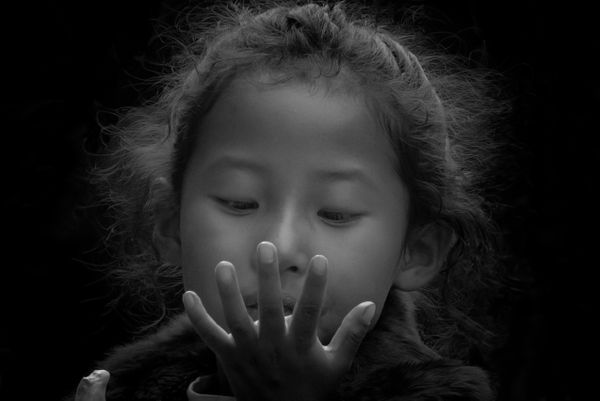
(311, 173)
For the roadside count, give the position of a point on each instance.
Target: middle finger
(270, 307)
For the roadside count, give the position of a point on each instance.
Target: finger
(351, 332)
(213, 335)
(237, 318)
(305, 319)
(270, 307)
(93, 387)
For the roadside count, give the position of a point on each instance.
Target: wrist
(206, 388)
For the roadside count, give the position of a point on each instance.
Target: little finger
(351, 332)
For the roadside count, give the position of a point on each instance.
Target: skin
(93, 387)
(306, 171)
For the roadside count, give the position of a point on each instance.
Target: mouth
(288, 303)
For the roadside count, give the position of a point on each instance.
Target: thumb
(93, 387)
(351, 332)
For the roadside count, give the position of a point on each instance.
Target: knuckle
(270, 310)
(267, 271)
(355, 335)
(309, 311)
(237, 327)
(301, 346)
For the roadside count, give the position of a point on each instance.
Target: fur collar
(392, 365)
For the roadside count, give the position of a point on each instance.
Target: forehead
(295, 117)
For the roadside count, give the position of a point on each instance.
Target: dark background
(69, 60)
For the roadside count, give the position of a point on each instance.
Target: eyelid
(352, 217)
(229, 204)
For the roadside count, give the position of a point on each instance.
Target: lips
(288, 303)
(288, 306)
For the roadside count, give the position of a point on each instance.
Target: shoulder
(419, 381)
(393, 364)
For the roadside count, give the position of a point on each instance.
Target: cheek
(369, 255)
(207, 237)
(359, 277)
(363, 269)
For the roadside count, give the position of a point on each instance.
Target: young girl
(314, 184)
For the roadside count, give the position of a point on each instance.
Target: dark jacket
(391, 364)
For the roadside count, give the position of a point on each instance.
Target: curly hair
(438, 113)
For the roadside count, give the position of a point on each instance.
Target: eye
(238, 206)
(338, 217)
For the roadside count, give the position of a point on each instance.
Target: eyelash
(240, 207)
(332, 217)
(337, 218)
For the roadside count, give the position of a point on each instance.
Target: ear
(424, 256)
(166, 228)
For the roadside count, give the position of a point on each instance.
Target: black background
(68, 60)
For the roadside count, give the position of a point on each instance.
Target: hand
(93, 387)
(278, 358)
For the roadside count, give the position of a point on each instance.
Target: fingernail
(189, 300)
(368, 313)
(266, 253)
(224, 272)
(98, 375)
(93, 386)
(319, 265)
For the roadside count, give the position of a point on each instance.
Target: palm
(278, 357)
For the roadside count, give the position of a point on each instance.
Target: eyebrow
(240, 163)
(350, 173)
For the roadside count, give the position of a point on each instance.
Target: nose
(288, 232)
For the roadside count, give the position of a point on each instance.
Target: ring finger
(308, 309)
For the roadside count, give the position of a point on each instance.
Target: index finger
(213, 335)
